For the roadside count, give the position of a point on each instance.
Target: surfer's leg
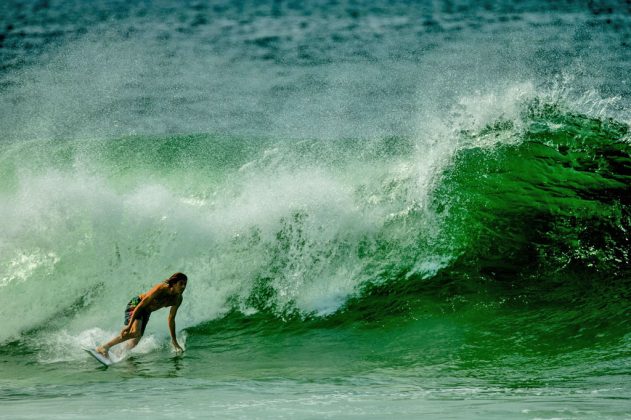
(139, 326)
(136, 330)
(134, 333)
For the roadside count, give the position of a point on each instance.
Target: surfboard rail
(106, 361)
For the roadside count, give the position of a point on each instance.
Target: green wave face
(550, 206)
(511, 241)
(520, 249)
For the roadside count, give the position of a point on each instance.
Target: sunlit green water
(498, 288)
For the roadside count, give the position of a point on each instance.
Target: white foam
(77, 243)
(64, 346)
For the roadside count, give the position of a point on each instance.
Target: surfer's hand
(178, 349)
(125, 331)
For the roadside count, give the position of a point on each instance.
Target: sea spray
(384, 208)
(299, 228)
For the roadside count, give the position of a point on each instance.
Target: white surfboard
(98, 356)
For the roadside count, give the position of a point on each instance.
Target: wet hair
(177, 277)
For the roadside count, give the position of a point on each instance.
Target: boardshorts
(144, 316)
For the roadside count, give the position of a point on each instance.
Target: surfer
(164, 294)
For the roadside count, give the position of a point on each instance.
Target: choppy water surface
(383, 208)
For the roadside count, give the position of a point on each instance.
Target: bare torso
(162, 297)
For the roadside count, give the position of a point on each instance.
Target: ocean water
(385, 208)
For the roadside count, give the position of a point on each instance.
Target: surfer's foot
(102, 350)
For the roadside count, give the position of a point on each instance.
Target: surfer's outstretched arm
(172, 314)
(166, 293)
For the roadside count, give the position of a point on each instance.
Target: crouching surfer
(139, 309)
